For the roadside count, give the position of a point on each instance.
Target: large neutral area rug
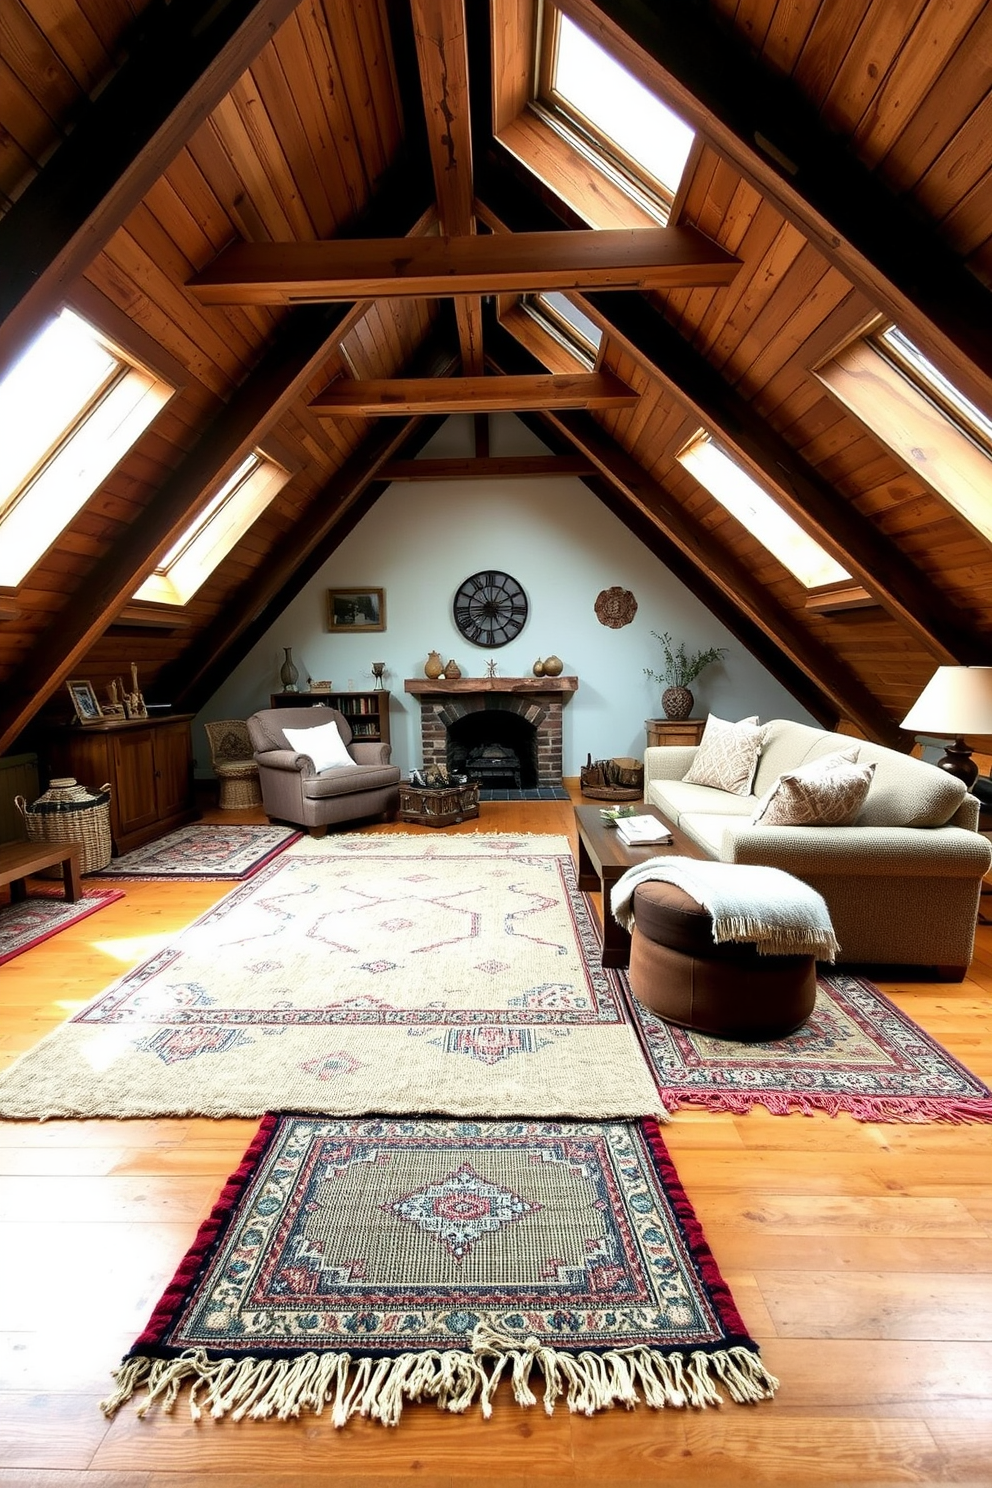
(351, 1266)
(204, 850)
(357, 974)
(27, 922)
(858, 1053)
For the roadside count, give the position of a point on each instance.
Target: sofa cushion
(828, 792)
(786, 746)
(907, 792)
(706, 830)
(324, 746)
(727, 755)
(673, 797)
(347, 782)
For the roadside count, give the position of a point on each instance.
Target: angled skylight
(566, 322)
(617, 108)
(70, 408)
(232, 509)
(760, 513)
(910, 360)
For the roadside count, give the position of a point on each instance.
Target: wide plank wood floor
(859, 1255)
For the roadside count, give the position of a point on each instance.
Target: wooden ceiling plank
(182, 66)
(775, 137)
(431, 267)
(871, 558)
(405, 396)
(489, 467)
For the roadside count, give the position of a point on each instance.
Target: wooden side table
(674, 730)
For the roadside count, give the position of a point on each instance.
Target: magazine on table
(642, 831)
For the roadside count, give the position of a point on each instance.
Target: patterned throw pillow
(727, 756)
(828, 792)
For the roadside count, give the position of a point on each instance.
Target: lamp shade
(957, 700)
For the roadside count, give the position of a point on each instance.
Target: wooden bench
(19, 859)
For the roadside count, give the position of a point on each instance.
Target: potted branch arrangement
(680, 670)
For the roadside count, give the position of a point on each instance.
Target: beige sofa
(902, 883)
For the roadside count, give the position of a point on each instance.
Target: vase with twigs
(681, 668)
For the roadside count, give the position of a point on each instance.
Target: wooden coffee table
(604, 858)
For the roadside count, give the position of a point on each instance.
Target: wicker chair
(234, 765)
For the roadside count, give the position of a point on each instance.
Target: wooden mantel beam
(347, 398)
(185, 59)
(517, 263)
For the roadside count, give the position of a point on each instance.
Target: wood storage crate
(620, 779)
(439, 806)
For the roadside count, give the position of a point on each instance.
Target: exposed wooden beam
(518, 262)
(442, 59)
(492, 467)
(851, 698)
(348, 398)
(349, 494)
(185, 58)
(760, 121)
(905, 590)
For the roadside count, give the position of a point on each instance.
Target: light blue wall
(420, 541)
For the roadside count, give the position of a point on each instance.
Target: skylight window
(909, 359)
(237, 503)
(70, 408)
(570, 325)
(642, 136)
(760, 514)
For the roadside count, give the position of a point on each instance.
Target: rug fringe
(910, 1109)
(455, 1379)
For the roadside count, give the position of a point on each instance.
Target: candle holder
(378, 667)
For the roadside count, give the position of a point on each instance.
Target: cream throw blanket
(779, 914)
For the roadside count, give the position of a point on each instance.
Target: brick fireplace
(534, 706)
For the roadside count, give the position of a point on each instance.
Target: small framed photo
(356, 609)
(84, 701)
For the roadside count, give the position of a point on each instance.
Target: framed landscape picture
(84, 701)
(356, 609)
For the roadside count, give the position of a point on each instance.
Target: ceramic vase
(538, 668)
(288, 674)
(433, 666)
(452, 670)
(553, 666)
(677, 702)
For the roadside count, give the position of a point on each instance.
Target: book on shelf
(642, 831)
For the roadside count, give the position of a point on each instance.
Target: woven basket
(69, 812)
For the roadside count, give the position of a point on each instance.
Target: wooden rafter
(847, 693)
(521, 262)
(777, 139)
(903, 588)
(183, 63)
(346, 398)
(494, 467)
(442, 58)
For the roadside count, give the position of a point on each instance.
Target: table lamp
(957, 700)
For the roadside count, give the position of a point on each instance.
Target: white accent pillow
(323, 744)
(828, 792)
(727, 756)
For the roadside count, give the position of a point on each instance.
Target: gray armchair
(293, 791)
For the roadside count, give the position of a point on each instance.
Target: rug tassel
(378, 1388)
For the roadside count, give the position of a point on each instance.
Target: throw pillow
(727, 756)
(323, 744)
(828, 792)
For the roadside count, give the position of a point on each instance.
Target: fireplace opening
(499, 749)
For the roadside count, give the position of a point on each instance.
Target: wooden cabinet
(148, 764)
(366, 712)
(674, 731)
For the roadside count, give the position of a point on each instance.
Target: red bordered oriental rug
(857, 1053)
(354, 1265)
(204, 850)
(27, 922)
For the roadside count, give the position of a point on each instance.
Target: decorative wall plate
(490, 608)
(615, 607)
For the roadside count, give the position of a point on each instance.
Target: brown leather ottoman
(679, 971)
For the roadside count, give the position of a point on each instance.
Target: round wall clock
(490, 608)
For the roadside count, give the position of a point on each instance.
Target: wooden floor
(860, 1257)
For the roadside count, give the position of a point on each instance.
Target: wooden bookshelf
(366, 712)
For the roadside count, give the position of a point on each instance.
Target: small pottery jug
(288, 674)
(538, 668)
(452, 670)
(553, 666)
(434, 666)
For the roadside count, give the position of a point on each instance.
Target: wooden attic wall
(297, 148)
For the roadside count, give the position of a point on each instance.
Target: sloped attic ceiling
(840, 169)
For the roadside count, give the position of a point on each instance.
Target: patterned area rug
(357, 974)
(858, 1053)
(27, 922)
(204, 850)
(355, 1265)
